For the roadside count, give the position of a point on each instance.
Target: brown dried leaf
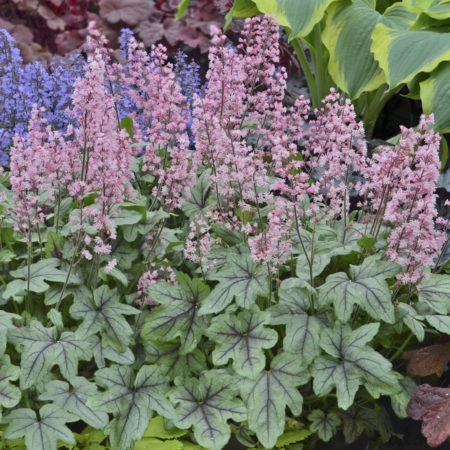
(432, 405)
(131, 12)
(427, 360)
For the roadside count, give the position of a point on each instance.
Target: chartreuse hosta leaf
(302, 330)
(267, 396)
(206, 403)
(132, 400)
(325, 425)
(43, 432)
(10, 395)
(178, 313)
(243, 338)
(366, 288)
(435, 292)
(351, 363)
(392, 49)
(103, 312)
(40, 272)
(241, 279)
(72, 399)
(44, 349)
(299, 15)
(435, 95)
(172, 362)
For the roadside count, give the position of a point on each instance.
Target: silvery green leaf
(440, 323)
(103, 351)
(131, 232)
(367, 288)
(199, 196)
(72, 399)
(132, 400)
(43, 349)
(399, 401)
(408, 315)
(40, 433)
(242, 338)
(178, 313)
(302, 330)
(267, 396)
(10, 394)
(351, 363)
(206, 403)
(325, 425)
(5, 325)
(126, 217)
(172, 362)
(241, 279)
(435, 292)
(125, 255)
(103, 312)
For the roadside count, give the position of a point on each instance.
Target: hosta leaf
(241, 279)
(244, 8)
(242, 338)
(302, 330)
(178, 313)
(40, 272)
(347, 36)
(367, 288)
(324, 425)
(171, 361)
(199, 196)
(267, 396)
(10, 395)
(435, 96)
(299, 15)
(43, 432)
(5, 325)
(206, 403)
(351, 363)
(72, 399)
(392, 46)
(435, 292)
(103, 312)
(42, 350)
(103, 351)
(132, 400)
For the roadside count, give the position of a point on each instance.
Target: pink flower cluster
(157, 272)
(199, 243)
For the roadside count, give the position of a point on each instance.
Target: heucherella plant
(260, 279)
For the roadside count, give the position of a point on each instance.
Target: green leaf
(44, 270)
(267, 396)
(441, 323)
(103, 312)
(435, 292)
(241, 279)
(72, 399)
(10, 395)
(53, 241)
(43, 432)
(299, 15)
(347, 36)
(292, 437)
(435, 96)
(302, 330)
(392, 49)
(157, 429)
(243, 338)
(156, 444)
(132, 400)
(125, 255)
(400, 400)
(6, 256)
(367, 288)
(172, 362)
(130, 232)
(127, 124)
(198, 200)
(206, 403)
(6, 325)
(244, 8)
(103, 351)
(182, 8)
(42, 350)
(324, 425)
(178, 313)
(351, 363)
(127, 217)
(409, 316)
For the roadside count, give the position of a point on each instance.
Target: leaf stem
(401, 348)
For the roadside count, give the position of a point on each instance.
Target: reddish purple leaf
(131, 12)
